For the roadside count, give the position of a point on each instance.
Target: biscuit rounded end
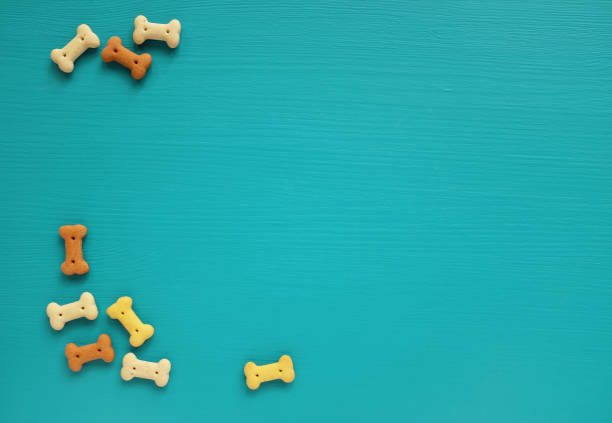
(163, 376)
(53, 313)
(86, 34)
(113, 45)
(252, 378)
(129, 358)
(138, 37)
(94, 41)
(140, 20)
(126, 374)
(79, 268)
(74, 362)
(173, 41)
(87, 300)
(164, 365)
(105, 344)
(61, 60)
(139, 70)
(72, 230)
(104, 340)
(141, 335)
(115, 309)
(175, 25)
(75, 365)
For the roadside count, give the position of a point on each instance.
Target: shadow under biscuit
(140, 383)
(124, 72)
(71, 279)
(58, 75)
(142, 349)
(94, 366)
(73, 325)
(272, 385)
(156, 48)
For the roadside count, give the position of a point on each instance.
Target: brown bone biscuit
(101, 349)
(73, 236)
(137, 63)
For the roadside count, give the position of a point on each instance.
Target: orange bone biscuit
(77, 356)
(137, 63)
(73, 236)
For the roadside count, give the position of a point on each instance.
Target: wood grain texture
(412, 199)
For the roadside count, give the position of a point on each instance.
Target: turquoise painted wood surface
(412, 199)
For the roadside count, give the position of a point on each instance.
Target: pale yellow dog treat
(283, 370)
(84, 39)
(133, 367)
(60, 314)
(145, 30)
(122, 311)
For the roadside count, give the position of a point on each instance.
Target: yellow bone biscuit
(122, 311)
(255, 375)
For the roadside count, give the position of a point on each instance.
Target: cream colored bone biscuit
(283, 370)
(133, 367)
(60, 314)
(84, 39)
(122, 310)
(145, 30)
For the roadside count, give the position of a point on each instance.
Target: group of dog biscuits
(114, 51)
(121, 310)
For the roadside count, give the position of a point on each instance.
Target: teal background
(412, 199)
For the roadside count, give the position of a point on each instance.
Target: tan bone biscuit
(133, 367)
(145, 30)
(59, 315)
(66, 56)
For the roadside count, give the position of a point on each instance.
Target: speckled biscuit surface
(66, 56)
(283, 370)
(101, 349)
(159, 372)
(145, 30)
(122, 311)
(138, 64)
(60, 314)
(73, 237)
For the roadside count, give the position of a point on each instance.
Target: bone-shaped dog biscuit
(133, 367)
(137, 63)
(283, 370)
(84, 39)
(145, 30)
(60, 314)
(73, 237)
(122, 310)
(101, 349)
